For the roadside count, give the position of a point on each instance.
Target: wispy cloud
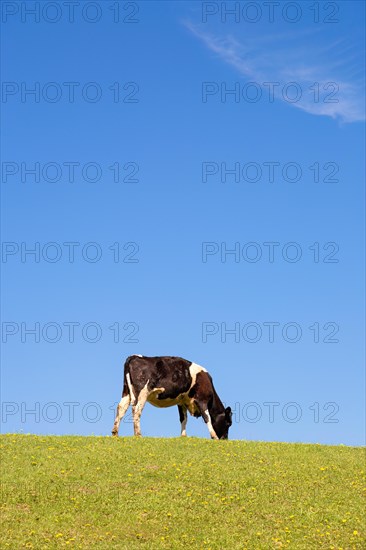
(339, 92)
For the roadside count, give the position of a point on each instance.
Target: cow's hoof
(114, 433)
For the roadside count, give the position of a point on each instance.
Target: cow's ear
(228, 411)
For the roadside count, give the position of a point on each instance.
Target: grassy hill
(127, 493)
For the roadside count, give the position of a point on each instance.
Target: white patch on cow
(183, 432)
(141, 400)
(137, 409)
(121, 411)
(130, 388)
(209, 425)
(194, 369)
(137, 355)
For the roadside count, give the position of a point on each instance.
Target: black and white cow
(168, 381)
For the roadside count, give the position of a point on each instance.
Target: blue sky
(150, 272)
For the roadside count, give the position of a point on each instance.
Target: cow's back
(171, 373)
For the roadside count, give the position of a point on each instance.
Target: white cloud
(285, 58)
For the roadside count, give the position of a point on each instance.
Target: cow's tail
(126, 371)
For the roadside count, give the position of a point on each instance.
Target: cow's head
(222, 423)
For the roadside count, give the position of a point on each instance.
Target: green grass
(104, 492)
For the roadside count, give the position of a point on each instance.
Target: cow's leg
(121, 411)
(207, 419)
(183, 419)
(137, 409)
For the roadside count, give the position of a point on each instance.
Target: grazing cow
(168, 381)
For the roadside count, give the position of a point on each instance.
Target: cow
(167, 381)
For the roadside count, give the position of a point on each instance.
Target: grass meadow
(127, 493)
